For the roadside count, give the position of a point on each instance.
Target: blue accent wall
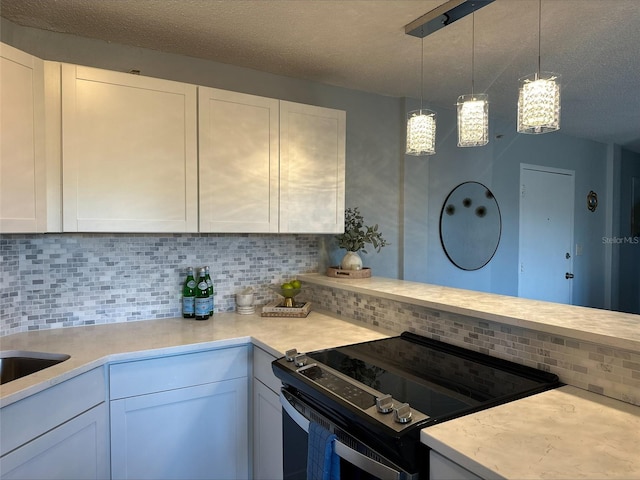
(428, 181)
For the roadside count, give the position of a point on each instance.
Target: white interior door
(546, 234)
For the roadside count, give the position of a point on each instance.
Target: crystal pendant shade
(473, 120)
(421, 132)
(539, 103)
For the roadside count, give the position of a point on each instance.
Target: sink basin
(16, 364)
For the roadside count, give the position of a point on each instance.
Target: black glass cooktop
(439, 381)
(435, 378)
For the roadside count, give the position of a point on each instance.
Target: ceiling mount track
(444, 15)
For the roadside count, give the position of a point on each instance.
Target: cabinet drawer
(26, 419)
(177, 371)
(262, 369)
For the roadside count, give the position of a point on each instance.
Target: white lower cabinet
(267, 433)
(171, 417)
(181, 417)
(198, 432)
(61, 433)
(441, 468)
(267, 419)
(76, 450)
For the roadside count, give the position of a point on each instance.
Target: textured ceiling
(361, 44)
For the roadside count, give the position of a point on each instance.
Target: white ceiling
(361, 44)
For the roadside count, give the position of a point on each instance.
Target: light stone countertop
(92, 346)
(566, 433)
(615, 329)
(563, 433)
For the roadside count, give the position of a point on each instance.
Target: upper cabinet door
(129, 157)
(312, 169)
(238, 155)
(23, 154)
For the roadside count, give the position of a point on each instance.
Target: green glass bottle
(207, 277)
(202, 297)
(189, 295)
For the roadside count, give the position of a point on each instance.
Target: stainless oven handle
(355, 458)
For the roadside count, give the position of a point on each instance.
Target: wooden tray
(274, 309)
(337, 272)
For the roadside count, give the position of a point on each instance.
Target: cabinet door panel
(22, 160)
(267, 433)
(441, 468)
(31, 417)
(78, 449)
(198, 432)
(312, 169)
(129, 152)
(238, 154)
(262, 369)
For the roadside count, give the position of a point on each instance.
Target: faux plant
(357, 234)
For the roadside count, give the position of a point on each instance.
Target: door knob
(568, 275)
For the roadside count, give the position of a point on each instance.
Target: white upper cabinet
(90, 150)
(269, 165)
(238, 162)
(28, 164)
(129, 149)
(312, 169)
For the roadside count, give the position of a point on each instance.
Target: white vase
(351, 261)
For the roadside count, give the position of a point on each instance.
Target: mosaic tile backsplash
(62, 280)
(598, 368)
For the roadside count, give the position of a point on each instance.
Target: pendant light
(473, 110)
(539, 98)
(421, 124)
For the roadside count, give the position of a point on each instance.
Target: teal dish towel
(322, 461)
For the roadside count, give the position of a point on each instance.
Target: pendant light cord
(422, 74)
(539, 34)
(473, 51)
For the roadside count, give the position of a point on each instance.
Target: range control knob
(300, 360)
(291, 354)
(384, 404)
(402, 414)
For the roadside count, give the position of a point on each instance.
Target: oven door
(357, 461)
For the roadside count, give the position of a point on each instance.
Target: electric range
(378, 395)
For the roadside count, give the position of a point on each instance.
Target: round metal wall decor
(470, 226)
